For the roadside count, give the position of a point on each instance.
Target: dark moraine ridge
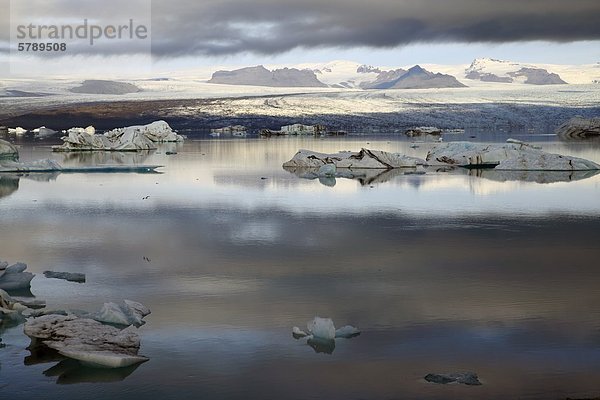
(484, 116)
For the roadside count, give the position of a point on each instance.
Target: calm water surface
(443, 272)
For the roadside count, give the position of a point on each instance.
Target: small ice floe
(17, 131)
(86, 340)
(67, 276)
(522, 143)
(125, 314)
(298, 333)
(465, 378)
(14, 312)
(42, 132)
(15, 277)
(321, 334)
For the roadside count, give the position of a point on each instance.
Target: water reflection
(367, 177)
(8, 185)
(69, 372)
(322, 345)
(533, 176)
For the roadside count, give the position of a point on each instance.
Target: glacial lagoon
(450, 271)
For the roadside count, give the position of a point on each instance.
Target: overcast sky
(388, 32)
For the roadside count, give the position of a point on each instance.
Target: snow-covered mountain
(260, 76)
(416, 78)
(490, 70)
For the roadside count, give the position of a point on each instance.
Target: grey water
(443, 272)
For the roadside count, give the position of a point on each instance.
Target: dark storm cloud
(273, 26)
(220, 27)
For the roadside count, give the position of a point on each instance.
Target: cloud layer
(225, 27)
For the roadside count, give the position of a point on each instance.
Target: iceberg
(321, 328)
(364, 159)
(321, 334)
(15, 277)
(508, 156)
(67, 276)
(132, 138)
(156, 132)
(466, 378)
(52, 166)
(127, 313)
(89, 341)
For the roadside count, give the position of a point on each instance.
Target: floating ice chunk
(347, 332)
(466, 378)
(87, 340)
(17, 131)
(509, 156)
(67, 276)
(127, 313)
(365, 158)
(322, 328)
(298, 333)
(15, 277)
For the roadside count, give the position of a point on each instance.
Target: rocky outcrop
(538, 76)
(415, 78)
(487, 77)
(579, 128)
(365, 158)
(385, 79)
(105, 87)
(509, 156)
(260, 76)
(86, 340)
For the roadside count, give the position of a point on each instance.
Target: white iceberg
(365, 158)
(132, 138)
(156, 132)
(17, 131)
(86, 340)
(127, 313)
(321, 328)
(508, 156)
(347, 332)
